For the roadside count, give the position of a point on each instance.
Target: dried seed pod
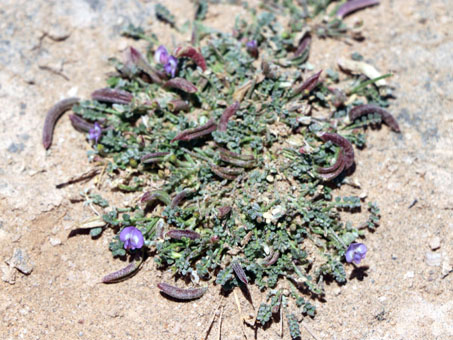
(227, 114)
(328, 169)
(272, 260)
(80, 124)
(52, 116)
(232, 154)
(239, 272)
(308, 85)
(218, 171)
(192, 53)
(123, 273)
(195, 133)
(181, 84)
(366, 109)
(179, 197)
(354, 5)
(238, 162)
(113, 96)
(343, 143)
(223, 211)
(178, 234)
(134, 57)
(157, 195)
(178, 105)
(181, 294)
(303, 46)
(332, 175)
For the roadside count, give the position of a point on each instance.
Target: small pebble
(54, 241)
(433, 259)
(21, 261)
(434, 243)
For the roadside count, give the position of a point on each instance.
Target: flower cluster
(170, 63)
(95, 133)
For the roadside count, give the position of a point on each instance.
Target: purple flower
(161, 55)
(170, 66)
(95, 133)
(355, 253)
(252, 44)
(132, 238)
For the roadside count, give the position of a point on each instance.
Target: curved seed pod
(223, 211)
(154, 157)
(308, 85)
(157, 195)
(123, 273)
(179, 197)
(192, 53)
(333, 167)
(80, 124)
(52, 116)
(232, 154)
(238, 162)
(304, 45)
(354, 5)
(178, 234)
(227, 114)
(200, 131)
(239, 272)
(114, 96)
(181, 294)
(181, 84)
(344, 144)
(133, 56)
(177, 105)
(218, 171)
(332, 175)
(273, 259)
(365, 109)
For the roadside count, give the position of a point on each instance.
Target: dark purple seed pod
(227, 114)
(178, 234)
(308, 85)
(223, 211)
(181, 84)
(192, 53)
(178, 105)
(273, 259)
(122, 273)
(154, 157)
(332, 175)
(354, 5)
(239, 272)
(366, 109)
(52, 116)
(195, 133)
(80, 124)
(333, 167)
(344, 144)
(178, 198)
(217, 170)
(114, 96)
(134, 57)
(181, 294)
(304, 45)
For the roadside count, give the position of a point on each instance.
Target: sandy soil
(407, 292)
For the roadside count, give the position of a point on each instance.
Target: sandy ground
(407, 292)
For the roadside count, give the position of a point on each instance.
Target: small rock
(54, 241)
(433, 259)
(434, 243)
(8, 274)
(337, 291)
(21, 261)
(409, 275)
(447, 268)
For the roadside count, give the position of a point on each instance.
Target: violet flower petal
(95, 133)
(132, 238)
(355, 253)
(170, 66)
(161, 55)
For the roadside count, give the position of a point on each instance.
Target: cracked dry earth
(54, 49)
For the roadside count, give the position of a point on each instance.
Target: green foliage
(264, 314)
